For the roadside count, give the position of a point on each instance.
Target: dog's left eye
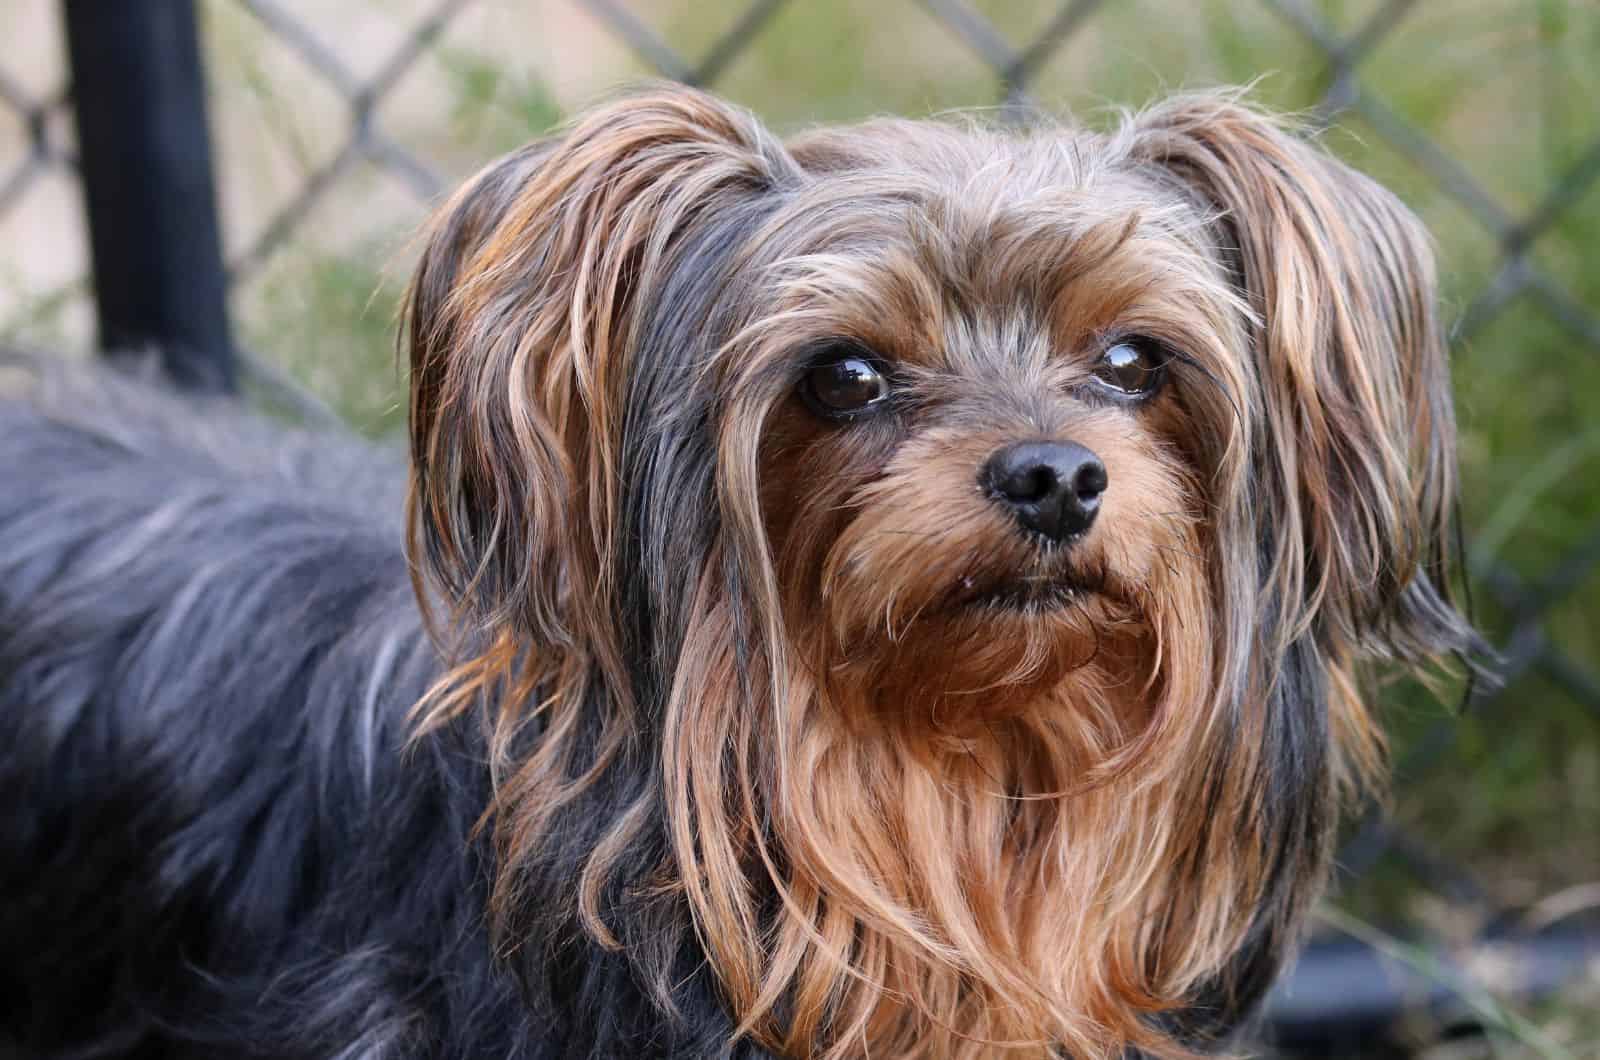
(1132, 367)
(844, 383)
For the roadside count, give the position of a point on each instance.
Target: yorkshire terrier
(906, 591)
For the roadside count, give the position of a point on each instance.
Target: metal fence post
(139, 98)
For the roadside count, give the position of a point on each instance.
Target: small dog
(902, 592)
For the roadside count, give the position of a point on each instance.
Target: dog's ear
(1349, 491)
(1354, 449)
(520, 322)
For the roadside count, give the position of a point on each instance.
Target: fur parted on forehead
(993, 281)
(986, 225)
(787, 703)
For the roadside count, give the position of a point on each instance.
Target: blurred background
(1465, 919)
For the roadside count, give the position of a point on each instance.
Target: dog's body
(211, 844)
(901, 593)
(214, 842)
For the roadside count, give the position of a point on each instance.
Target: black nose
(1053, 488)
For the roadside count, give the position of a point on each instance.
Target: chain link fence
(1333, 46)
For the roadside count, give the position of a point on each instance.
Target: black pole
(1343, 998)
(139, 95)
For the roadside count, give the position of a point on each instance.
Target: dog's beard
(987, 650)
(975, 800)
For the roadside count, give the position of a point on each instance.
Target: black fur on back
(215, 840)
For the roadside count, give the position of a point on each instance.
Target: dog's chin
(994, 647)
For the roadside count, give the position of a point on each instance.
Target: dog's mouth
(1028, 594)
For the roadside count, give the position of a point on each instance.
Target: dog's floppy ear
(1354, 449)
(520, 320)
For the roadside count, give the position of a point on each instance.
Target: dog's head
(928, 568)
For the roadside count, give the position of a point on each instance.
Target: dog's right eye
(1132, 368)
(844, 383)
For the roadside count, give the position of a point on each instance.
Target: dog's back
(208, 646)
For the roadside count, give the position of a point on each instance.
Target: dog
(907, 591)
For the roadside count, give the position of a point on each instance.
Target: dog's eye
(1131, 367)
(844, 383)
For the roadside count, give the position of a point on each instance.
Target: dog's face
(998, 422)
(939, 560)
